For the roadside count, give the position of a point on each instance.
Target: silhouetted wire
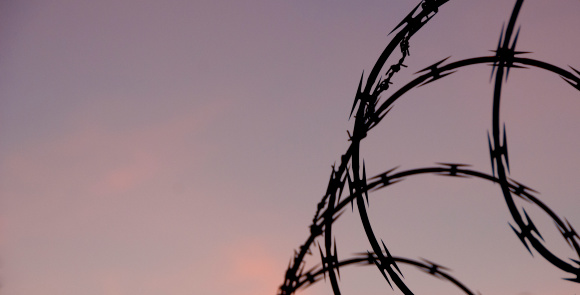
(369, 114)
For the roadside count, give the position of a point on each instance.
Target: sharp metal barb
(390, 258)
(522, 237)
(521, 189)
(368, 113)
(382, 270)
(497, 51)
(408, 19)
(572, 83)
(531, 227)
(358, 95)
(575, 70)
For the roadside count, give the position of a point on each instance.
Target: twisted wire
(315, 274)
(368, 115)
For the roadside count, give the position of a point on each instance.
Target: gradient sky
(180, 147)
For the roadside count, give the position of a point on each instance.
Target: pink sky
(181, 147)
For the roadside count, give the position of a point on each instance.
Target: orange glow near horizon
(181, 147)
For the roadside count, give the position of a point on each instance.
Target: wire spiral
(369, 111)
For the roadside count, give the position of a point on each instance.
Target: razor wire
(369, 111)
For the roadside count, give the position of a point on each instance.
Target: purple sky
(180, 147)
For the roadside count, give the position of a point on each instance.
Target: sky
(180, 147)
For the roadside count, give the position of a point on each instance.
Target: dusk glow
(181, 147)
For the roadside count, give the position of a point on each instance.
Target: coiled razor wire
(369, 112)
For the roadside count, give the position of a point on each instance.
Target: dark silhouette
(368, 113)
